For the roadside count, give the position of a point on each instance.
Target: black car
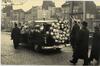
(40, 38)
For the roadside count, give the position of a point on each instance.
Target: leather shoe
(73, 62)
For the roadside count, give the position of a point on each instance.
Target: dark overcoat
(82, 47)
(15, 34)
(74, 35)
(95, 51)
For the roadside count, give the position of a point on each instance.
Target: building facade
(81, 10)
(6, 17)
(98, 12)
(28, 16)
(18, 16)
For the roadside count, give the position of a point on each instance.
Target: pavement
(26, 56)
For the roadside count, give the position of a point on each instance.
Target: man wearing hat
(82, 45)
(15, 36)
(74, 38)
(95, 51)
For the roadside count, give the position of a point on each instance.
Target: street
(50, 22)
(26, 56)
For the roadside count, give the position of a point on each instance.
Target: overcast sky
(29, 3)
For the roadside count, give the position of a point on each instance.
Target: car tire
(58, 49)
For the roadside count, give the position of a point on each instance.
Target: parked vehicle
(44, 35)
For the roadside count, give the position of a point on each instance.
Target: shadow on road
(43, 51)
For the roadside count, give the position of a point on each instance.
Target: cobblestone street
(25, 56)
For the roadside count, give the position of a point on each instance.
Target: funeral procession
(50, 32)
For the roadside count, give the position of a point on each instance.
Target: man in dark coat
(15, 35)
(82, 46)
(83, 43)
(95, 51)
(74, 38)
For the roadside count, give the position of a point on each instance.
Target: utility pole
(84, 10)
(18, 16)
(71, 13)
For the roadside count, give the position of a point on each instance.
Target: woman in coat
(95, 51)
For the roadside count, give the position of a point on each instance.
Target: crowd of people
(79, 38)
(25, 34)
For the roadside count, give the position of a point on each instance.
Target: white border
(37, 65)
(0, 31)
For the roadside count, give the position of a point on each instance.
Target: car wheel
(58, 49)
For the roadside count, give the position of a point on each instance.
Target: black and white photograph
(50, 32)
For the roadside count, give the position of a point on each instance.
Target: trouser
(79, 55)
(16, 43)
(86, 61)
(99, 57)
(74, 48)
(94, 56)
(75, 59)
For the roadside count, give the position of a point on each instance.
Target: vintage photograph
(50, 32)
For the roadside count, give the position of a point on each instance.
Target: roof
(47, 4)
(98, 7)
(18, 10)
(66, 4)
(29, 11)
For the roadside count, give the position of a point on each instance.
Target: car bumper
(54, 46)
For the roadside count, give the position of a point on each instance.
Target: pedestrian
(99, 26)
(15, 36)
(82, 46)
(95, 51)
(74, 38)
